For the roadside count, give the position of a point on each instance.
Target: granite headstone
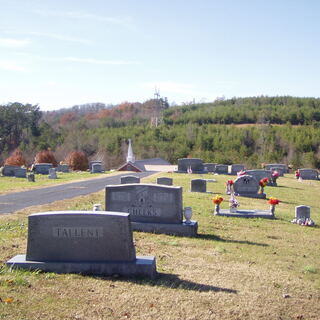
(247, 186)
(309, 174)
(198, 185)
(233, 169)
(129, 179)
(83, 242)
(221, 169)
(165, 181)
(195, 164)
(42, 168)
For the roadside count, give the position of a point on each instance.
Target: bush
(77, 160)
(45, 156)
(16, 159)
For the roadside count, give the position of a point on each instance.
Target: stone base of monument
(177, 229)
(252, 195)
(143, 266)
(246, 213)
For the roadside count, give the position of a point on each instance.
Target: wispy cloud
(121, 20)
(11, 66)
(96, 61)
(13, 43)
(51, 36)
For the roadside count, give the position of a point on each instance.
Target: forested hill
(273, 110)
(240, 130)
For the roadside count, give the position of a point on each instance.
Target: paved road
(15, 201)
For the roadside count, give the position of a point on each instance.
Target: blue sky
(58, 53)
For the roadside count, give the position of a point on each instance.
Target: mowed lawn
(235, 269)
(13, 184)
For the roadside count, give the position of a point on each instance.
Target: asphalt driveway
(12, 202)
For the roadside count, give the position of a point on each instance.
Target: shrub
(77, 160)
(45, 156)
(16, 159)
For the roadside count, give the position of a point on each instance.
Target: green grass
(235, 268)
(13, 184)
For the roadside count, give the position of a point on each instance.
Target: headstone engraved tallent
(247, 186)
(83, 242)
(198, 185)
(165, 181)
(152, 208)
(129, 179)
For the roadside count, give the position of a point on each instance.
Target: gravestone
(42, 168)
(9, 171)
(96, 167)
(247, 186)
(198, 185)
(302, 212)
(284, 167)
(259, 174)
(195, 164)
(152, 208)
(94, 162)
(235, 168)
(83, 242)
(165, 181)
(129, 179)
(210, 167)
(309, 174)
(52, 174)
(63, 168)
(280, 170)
(221, 169)
(20, 172)
(30, 177)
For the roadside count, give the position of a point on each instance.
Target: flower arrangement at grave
(262, 183)
(297, 174)
(304, 222)
(275, 175)
(233, 203)
(217, 201)
(273, 202)
(229, 186)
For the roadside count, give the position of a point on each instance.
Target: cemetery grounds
(234, 269)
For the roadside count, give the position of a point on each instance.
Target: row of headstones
(46, 168)
(102, 243)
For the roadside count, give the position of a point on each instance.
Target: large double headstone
(14, 171)
(284, 167)
(195, 164)
(210, 167)
(221, 169)
(153, 208)
(42, 168)
(235, 168)
(247, 186)
(84, 242)
(259, 174)
(309, 174)
(63, 168)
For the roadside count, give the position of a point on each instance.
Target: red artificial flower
(230, 182)
(273, 201)
(263, 182)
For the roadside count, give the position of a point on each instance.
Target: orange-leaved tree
(77, 160)
(45, 156)
(16, 159)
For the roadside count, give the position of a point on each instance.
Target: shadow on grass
(217, 238)
(172, 281)
(289, 187)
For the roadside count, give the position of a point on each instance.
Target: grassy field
(13, 184)
(235, 269)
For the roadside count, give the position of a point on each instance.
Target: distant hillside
(243, 130)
